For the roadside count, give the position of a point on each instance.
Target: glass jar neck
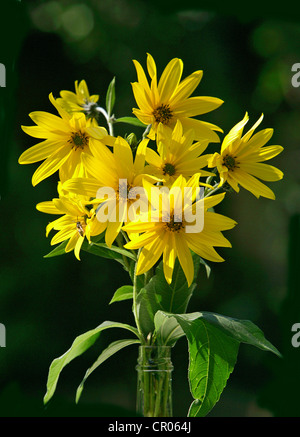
(155, 358)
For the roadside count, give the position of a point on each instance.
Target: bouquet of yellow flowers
(149, 204)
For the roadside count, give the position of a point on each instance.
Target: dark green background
(246, 54)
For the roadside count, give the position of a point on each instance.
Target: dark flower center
(174, 226)
(229, 162)
(162, 114)
(78, 139)
(169, 169)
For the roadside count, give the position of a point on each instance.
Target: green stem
(146, 131)
(135, 293)
(120, 244)
(212, 191)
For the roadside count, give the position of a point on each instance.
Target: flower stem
(135, 293)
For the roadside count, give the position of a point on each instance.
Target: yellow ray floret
(80, 101)
(240, 159)
(65, 138)
(168, 100)
(175, 226)
(116, 180)
(77, 221)
(177, 154)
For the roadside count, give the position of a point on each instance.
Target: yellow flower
(80, 101)
(169, 100)
(240, 159)
(177, 154)
(65, 138)
(115, 182)
(177, 227)
(77, 221)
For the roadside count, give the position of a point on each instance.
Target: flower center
(122, 191)
(174, 225)
(162, 114)
(78, 139)
(169, 169)
(90, 109)
(229, 162)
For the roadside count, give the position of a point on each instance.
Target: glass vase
(154, 381)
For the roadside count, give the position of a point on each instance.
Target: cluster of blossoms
(100, 175)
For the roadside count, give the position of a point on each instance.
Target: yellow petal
(252, 184)
(169, 257)
(49, 121)
(262, 171)
(123, 157)
(84, 186)
(78, 247)
(150, 254)
(196, 106)
(64, 234)
(264, 153)
(141, 76)
(139, 161)
(40, 151)
(234, 134)
(186, 87)
(201, 129)
(202, 249)
(170, 79)
(151, 66)
(51, 165)
(48, 207)
(185, 257)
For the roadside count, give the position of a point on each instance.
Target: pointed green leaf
(130, 120)
(243, 331)
(122, 293)
(213, 346)
(78, 347)
(58, 250)
(108, 352)
(110, 97)
(159, 295)
(113, 252)
(212, 358)
(167, 329)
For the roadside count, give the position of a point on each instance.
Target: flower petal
(40, 151)
(196, 106)
(51, 165)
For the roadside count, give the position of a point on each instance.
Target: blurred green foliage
(246, 56)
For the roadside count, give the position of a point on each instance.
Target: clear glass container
(154, 381)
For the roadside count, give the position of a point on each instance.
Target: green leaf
(207, 267)
(213, 341)
(110, 97)
(243, 331)
(108, 352)
(167, 329)
(159, 295)
(58, 250)
(212, 358)
(123, 293)
(78, 347)
(113, 252)
(130, 120)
